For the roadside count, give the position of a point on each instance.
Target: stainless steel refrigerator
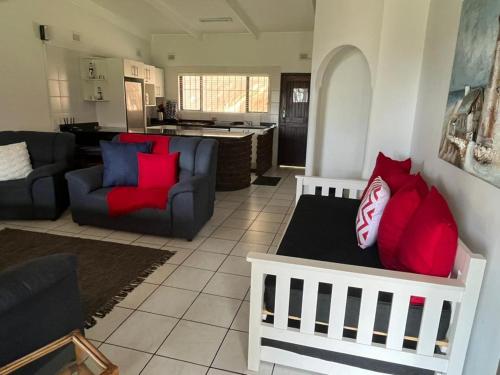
(134, 101)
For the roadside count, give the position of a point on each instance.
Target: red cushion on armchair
(157, 171)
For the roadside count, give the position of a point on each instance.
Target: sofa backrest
(187, 146)
(44, 147)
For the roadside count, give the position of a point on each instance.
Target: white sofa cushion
(15, 161)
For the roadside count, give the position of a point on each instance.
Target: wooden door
(293, 118)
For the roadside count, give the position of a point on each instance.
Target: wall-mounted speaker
(44, 32)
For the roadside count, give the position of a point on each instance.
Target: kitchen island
(263, 142)
(234, 154)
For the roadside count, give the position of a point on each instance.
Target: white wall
(270, 49)
(272, 53)
(344, 111)
(65, 92)
(24, 100)
(474, 202)
(390, 34)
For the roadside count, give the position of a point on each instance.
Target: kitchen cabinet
(149, 74)
(133, 69)
(159, 83)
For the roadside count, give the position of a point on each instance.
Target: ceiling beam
(241, 15)
(167, 11)
(101, 12)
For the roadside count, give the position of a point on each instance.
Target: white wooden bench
(461, 290)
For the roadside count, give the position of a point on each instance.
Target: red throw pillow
(370, 211)
(398, 181)
(386, 167)
(397, 215)
(160, 142)
(429, 243)
(157, 171)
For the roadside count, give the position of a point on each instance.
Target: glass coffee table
(70, 355)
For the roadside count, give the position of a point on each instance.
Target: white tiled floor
(190, 316)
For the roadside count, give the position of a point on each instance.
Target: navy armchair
(43, 194)
(190, 202)
(39, 303)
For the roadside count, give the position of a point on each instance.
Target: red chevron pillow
(370, 212)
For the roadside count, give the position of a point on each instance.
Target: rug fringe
(125, 291)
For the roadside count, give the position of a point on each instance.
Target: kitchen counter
(196, 133)
(212, 124)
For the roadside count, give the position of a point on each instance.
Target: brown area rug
(107, 271)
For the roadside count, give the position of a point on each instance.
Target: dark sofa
(39, 303)
(334, 240)
(190, 201)
(43, 194)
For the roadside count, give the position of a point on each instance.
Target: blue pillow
(120, 162)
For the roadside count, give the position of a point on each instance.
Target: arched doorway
(343, 112)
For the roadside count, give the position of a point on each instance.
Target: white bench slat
(338, 192)
(397, 321)
(429, 325)
(281, 303)
(309, 304)
(310, 189)
(353, 194)
(337, 310)
(367, 312)
(325, 190)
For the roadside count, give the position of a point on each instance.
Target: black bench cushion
(323, 228)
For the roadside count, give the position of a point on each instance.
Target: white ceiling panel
(141, 15)
(193, 10)
(280, 15)
(181, 16)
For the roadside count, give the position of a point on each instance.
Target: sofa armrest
(25, 281)
(48, 170)
(39, 302)
(188, 201)
(85, 180)
(188, 185)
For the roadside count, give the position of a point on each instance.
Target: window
(224, 93)
(258, 91)
(189, 89)
(300, 95)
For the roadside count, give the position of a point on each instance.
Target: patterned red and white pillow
(370, 212)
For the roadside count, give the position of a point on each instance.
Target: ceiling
(183, 16)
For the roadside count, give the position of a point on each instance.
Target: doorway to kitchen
(293, 118)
